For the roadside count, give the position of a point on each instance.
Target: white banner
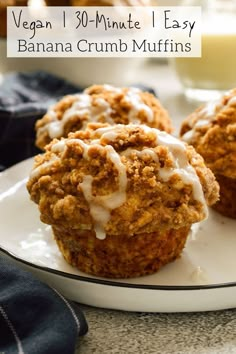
(104, 31)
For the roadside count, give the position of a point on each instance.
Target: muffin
(211, 129)
(101, 103)
(121, 199)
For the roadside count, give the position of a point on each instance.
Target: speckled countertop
(118, 332)
(123, 332)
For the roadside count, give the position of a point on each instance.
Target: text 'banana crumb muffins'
(104, 104)
(211, 129)
(121, 199)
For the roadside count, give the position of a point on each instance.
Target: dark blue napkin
(35, 319)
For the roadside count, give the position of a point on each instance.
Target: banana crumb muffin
(121, 199)
(211, 129)
(104, 104)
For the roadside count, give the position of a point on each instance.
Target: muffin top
(121, 179)
(211, 129)
(105, 104)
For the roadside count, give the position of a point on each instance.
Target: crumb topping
(103, 104)
(211, 129)
(121, 179)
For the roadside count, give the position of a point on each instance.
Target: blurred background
(88, 70)
(200, 78)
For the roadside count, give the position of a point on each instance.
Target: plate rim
(120, 284)
(103, 281)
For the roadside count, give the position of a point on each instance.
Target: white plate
(203, 279)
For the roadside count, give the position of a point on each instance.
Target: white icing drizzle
(113, 89)
(109, 133)
(101, 206)
(52, 113)
(59, 146)
(88, 112)
(232, 101)
(208, 112)
(133, 97)
(99, 213)
(176, 148)
(194, 231)
(187, 137)
(46, 166)
(141, 153)
(201, 123)
(181, 166)
(206, 115)
(82, 108)
(55, 129)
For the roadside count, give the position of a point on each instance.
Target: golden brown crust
(120, 107)
(151, 204)
(227, 203)
(148, 228)
(59, 108)
(120, 257)
(215, 141)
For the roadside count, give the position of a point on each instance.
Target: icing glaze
(206, 115)
(102, 205)
(133, 97)
(44, 168)
(181, 166)
(111, 88)
(89, 110)
(141, 153)
(176, 148)
(232, 101)
(81, 108)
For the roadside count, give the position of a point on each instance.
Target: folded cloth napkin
(35, 319)
(24, 98)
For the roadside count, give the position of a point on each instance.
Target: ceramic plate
(203, 279)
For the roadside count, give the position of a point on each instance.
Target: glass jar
(215, 72)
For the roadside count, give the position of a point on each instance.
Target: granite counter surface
(119, 332)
